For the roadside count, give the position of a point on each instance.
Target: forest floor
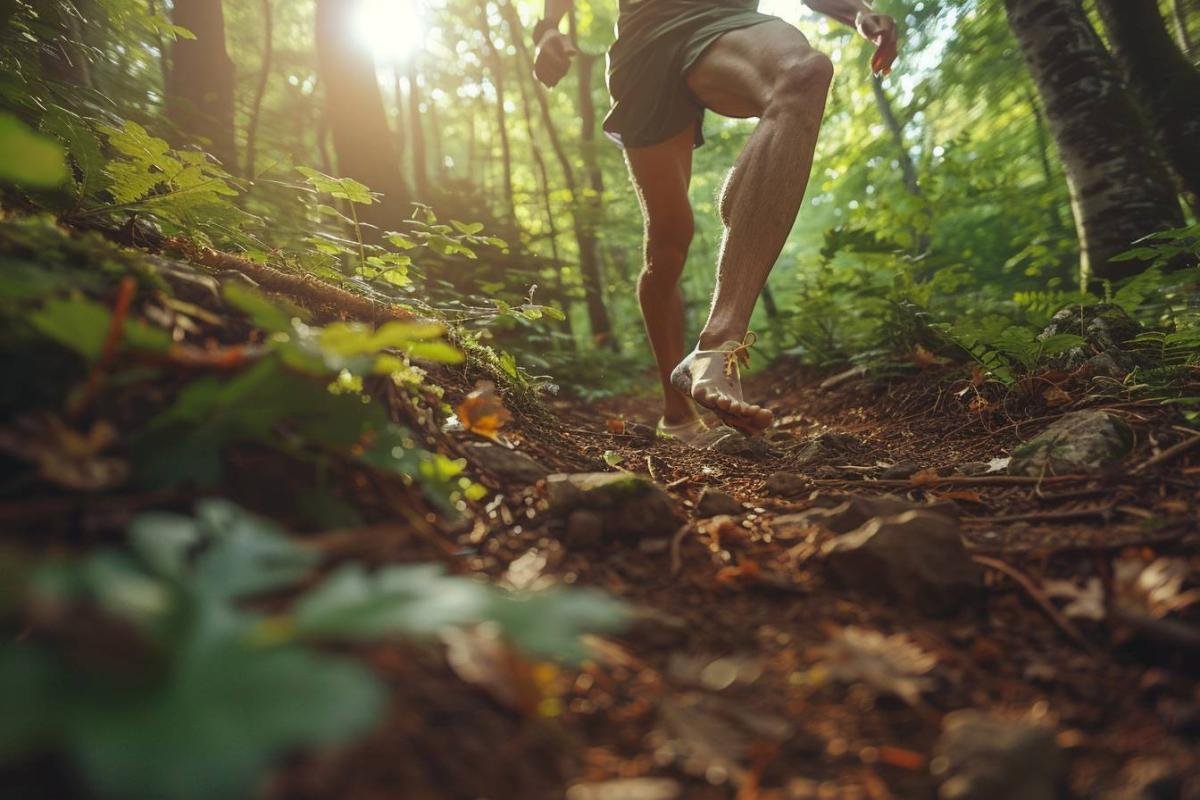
(762, 663)
(729, 685)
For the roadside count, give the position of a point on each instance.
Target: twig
(1035, 592)
(961, 480)
(1048, 516)
(112, 339)
(1168, 454)
(676, 542)
(678, 482)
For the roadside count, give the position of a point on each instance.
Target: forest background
(939, 194)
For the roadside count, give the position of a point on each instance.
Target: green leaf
(30, 159)
(469, 228)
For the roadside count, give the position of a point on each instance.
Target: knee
(667, 246)
(801, 78)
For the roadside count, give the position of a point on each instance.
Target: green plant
(205, 690)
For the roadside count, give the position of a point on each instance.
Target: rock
(824, 445)
(736, 443)
(857, 510)
(974, 468)
(713, 502)
(1103, 326)
(917, 557)
(1114, 364)
(786, 484)
(628, 505)
(979, 757)
(1082, 441)
(584, 529)
(508, 464)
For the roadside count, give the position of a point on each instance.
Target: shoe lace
(739, 354)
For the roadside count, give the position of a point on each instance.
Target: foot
(711, 378)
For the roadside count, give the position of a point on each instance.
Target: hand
(880, 30)
(553, 59)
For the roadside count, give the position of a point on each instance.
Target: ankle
(677, 413)
(712, 338)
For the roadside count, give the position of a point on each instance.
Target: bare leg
(771, 72)
(661, 174)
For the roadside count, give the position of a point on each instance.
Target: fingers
(553, 59)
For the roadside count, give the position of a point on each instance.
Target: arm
(554, 50)
(879, 29)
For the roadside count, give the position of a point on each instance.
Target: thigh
(735, 75)
(661, 174)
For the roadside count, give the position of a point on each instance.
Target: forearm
(554, 10)
(845, 11)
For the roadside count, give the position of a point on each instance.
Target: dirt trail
(754, 673)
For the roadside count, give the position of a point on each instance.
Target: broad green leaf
(29, 158)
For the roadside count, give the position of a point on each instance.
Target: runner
(672, 60)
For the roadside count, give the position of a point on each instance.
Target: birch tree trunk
(1119, 190)
(1163, 80)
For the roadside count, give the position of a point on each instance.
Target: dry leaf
(1084, 602)
(746, 572)
(615, 425)
(482, 412)
(627, 789)
(1154, 588)
(64, 456)
(479, 656)
(924, 358)
(886, 664)
(1054, 396)
(712, 737)
(925, 476)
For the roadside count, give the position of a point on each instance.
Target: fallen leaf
(965, 495)
(615, 425)
(745, 572)
(712, 737)
(480, 656)
(924, 358)
(482, 412)
(1084, 602)
(900, 757)
(627, 789)
(924, 476)
(1154, 588)
(613, 458)
(64, 456)
(887, 664)
(1054, 396)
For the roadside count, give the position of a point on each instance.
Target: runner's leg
(768, 71)
(661, 174)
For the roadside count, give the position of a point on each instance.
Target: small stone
(786, 484)
(917, 557)
(857, 510)
(713, 502)
(630, 505)
(736, 443)
(974, 468)
(1114, 364)
(980, 757)
(507, 464)
(584, 529)
(1082, 441)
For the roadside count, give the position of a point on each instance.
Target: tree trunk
(1119, 190)
(589, 261)
(495, 67)
(199, 90)
(417, 135)
(1163, 81)
(354, 111)
(260, 89)
(908, 170)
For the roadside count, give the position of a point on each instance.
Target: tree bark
(354, 112)
(1119, 190)
(495, 67)
(199, 90)
(908, 170)
(416, 132)
(1163, 81)
(260, 88)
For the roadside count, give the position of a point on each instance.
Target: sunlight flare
(392, 29)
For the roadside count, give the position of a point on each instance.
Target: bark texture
(199, 86)
(362, 141)
(1163, 80)
(1120, 190)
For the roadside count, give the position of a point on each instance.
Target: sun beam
(392, 29)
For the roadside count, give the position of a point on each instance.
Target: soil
(719, 687)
